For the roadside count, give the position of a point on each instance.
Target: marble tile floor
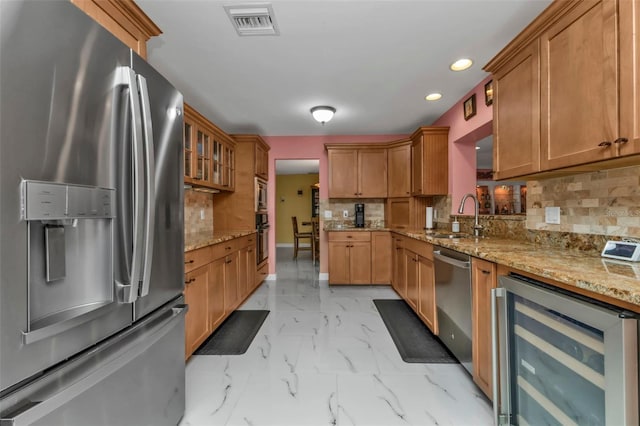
(324, 357)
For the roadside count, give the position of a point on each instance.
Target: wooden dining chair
(297, 236)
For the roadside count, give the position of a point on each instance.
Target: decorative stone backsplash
(194, 203)
(602, 203)
(373, 211)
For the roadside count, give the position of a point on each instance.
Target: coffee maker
(359, 215)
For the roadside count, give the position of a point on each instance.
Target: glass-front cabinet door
(188, 149)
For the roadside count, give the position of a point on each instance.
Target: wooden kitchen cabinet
(579, 86)
(516, 115)
(399, 279)
(215, 300)
(196, 293)
(219, 278)
(406, 212)
(209, 153)
(349, 257)
(427, 294)
(483, 279)
(413, 286)
(566, 91)
(237, 210)
(399, 170)
(430, 161)
(357, 172)
(124, 19)
(414, 279)
(380, 257)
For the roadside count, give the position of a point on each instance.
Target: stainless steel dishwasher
(453, 302)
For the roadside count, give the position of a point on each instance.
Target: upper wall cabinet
(357, 171)
(581, 57)
(399, 170)
(430, 161)
(124, 19)
(255, 157)
(209, 153)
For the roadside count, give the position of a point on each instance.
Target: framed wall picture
(469, 107)
(488, 93)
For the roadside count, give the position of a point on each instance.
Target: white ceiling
(373, 60)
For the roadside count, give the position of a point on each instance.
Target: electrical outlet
(345, 213)
(328, 214)
(201, 214)
(552, 215)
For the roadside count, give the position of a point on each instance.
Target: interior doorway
(297, 195)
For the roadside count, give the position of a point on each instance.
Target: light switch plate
(327, 214)
(552, 215)
(345, 213)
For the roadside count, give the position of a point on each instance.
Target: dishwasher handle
(450, 260)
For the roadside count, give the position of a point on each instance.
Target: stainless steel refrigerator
(91, 224)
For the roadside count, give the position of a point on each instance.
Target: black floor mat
(414, 340)
(235, 335)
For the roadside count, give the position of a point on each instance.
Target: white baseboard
(271, 277)
(323, 276)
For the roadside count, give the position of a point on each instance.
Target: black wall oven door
(262, 228)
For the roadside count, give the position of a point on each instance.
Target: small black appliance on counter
(359, 215)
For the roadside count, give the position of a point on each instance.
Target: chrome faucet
(477, 228)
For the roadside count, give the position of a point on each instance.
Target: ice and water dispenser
(70, 250)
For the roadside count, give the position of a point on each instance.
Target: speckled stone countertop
(198, 240)
(618, 280)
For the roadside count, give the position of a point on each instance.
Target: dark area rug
(235, 334)
(414, 340)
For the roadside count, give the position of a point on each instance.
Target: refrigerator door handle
(46, 403)
(130, 291)
(150, 185)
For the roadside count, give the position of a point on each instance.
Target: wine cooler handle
(500, 382)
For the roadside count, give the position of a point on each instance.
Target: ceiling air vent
(253, 19)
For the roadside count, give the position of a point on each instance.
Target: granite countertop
(196, 240)
(619, 280)
(616, 279)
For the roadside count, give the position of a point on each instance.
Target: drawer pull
(621, 140)
(486, 272)
(228, 248)
(189, 281)
(604, 143)
(228, 261)
(189, 261)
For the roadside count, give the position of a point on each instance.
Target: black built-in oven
(262, 230)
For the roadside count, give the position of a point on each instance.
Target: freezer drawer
(135, 378)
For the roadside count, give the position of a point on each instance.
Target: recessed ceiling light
(433, 96)
(461, 64)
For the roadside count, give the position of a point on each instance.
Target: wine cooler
(561, 358)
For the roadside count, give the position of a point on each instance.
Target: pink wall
(301, 148)
(463, 135)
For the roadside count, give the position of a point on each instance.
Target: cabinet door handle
(227, 248)
(621, 140)
(604, 143)
(349, 236)
(189, 281)
(189, 261)
(228, 261)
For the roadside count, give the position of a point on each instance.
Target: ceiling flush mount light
(322, 114)
(433, 96)
(461, 64)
